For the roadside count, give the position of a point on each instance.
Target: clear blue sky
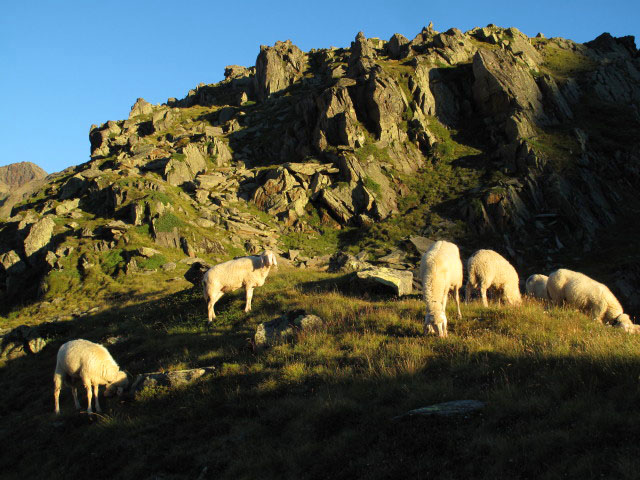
(68, 64)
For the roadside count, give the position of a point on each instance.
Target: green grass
(563, 63)
(167, 222)
(561, 392)
(152, 263)
(429, 189)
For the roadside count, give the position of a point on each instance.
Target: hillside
(486, 137)
(340, 160)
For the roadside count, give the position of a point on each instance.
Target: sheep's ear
(273, 259)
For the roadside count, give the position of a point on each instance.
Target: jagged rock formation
(489, 135)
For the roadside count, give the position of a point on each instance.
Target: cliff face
(489, 138)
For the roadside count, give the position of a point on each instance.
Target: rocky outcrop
(337, 120)
(505, 90)
(141, 107)
(278, 67)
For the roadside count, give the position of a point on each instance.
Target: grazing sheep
(81, 362)
(587, 295)
(247, 272)
(557, 281)
(625, 323)
(440, 271)
(536, 286)
(490, 269)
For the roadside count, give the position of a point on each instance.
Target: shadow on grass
(303, 410)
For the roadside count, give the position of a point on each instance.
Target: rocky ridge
(486, 135)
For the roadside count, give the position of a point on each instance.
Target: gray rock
(39, 236)
(284, 327)
(148, 252)
(72, 187)
(141, 107)
(67, 206)
(400, 282)
(395, 257)
(447, 409)
(177, 378)
(345, 262)
(278, 67)
(421, 244)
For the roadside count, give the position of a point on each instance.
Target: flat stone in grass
(172, 379)
(283, 327)
(447, 409)
(399, 282)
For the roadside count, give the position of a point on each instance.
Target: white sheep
(536, 286)
(248, 272)
(625, 323)
(440, 271)
(486, 269)
(81, 362)
(587, 295)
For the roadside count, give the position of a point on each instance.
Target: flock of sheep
(90, 365)
(441, 271)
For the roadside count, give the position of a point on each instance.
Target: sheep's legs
(95, 395)
(247, 307)
(87, 386)
(442, 329)
(428, 325)
(483, 294)
(57, 386)
(467, 292)
(74, 390)
(458, 302)
(212, 299)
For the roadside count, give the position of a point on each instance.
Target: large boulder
(400, 282)
(39, 235)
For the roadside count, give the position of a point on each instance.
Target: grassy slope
(561, 393)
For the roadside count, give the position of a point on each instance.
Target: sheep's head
(431, 321)
(623, 319)
(269, 259)
(513, 296)
(121, 382)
